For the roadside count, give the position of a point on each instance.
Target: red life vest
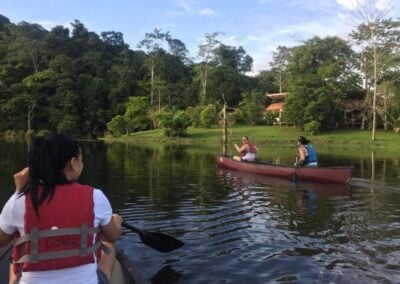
(250, 149)
(62, 236)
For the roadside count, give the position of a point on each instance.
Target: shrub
(137, 114)
(174, 123)
(194, 115)
(10, 135)
(43, 133)
(118, 125)
(68, 125)
(209, 116)
(312, 127)
(270, 117)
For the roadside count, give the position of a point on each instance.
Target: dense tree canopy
(81, 83)
(320, 74)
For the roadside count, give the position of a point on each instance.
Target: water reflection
(244, 228)
(166, 275)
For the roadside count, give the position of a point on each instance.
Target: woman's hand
(21, 179)
(117, 220)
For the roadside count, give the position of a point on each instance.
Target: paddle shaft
(5, 252)
(130, 227)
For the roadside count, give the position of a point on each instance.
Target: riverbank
(268, 135)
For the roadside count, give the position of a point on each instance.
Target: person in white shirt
(49, 200)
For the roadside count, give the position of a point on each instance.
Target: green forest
(86, 84)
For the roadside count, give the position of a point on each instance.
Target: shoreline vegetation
(273, 141)
(267, 135)
(275, 136)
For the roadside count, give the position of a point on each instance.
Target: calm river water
(243, 228)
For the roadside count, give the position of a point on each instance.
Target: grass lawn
(270, 135)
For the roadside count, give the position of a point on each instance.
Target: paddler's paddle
(157, 241)
(294, 178)
(5, 252)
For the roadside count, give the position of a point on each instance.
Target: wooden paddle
(294, 178)
(5, 251)
(157, 241)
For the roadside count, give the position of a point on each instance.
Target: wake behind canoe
(314, 174)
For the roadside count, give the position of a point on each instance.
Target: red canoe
(314, 174)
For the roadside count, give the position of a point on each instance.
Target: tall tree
(234, 57)
(153, 43)
(320, 74)
(124, 76)
(177, 48)
(82, 40)
(207, 54)
(37, 87)
(28, 47)
(381, 40)
(266, 83)
(58, 41)
(280, 59)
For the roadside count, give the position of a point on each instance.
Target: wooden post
(224, 130)
(372, 166)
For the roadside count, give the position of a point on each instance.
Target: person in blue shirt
(306, 153)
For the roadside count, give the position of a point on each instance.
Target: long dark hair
(303, 140)
(47, 159)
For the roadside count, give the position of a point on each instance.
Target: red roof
(275, 106)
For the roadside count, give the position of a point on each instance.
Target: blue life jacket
(312, 155)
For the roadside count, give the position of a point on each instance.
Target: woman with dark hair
(248, 152)
(306, 153)
(58, 224)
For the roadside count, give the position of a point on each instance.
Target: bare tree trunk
(363, 122)
(31, 109)
(152, 85)
(224, 130)
(375, 84)
(159, 101)
(204, 86)
(372, 166)
(371, 12)
(385, 123)
(35, 60)
(29, 122)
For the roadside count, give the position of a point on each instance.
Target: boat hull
(314, 174)
(125, 272)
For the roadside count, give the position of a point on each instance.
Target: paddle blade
(294, 178)
(159, 241)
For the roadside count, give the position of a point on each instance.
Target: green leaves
(137, 114)
(118, 125)
(320, 73)
(252, 107)
(174, 122)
